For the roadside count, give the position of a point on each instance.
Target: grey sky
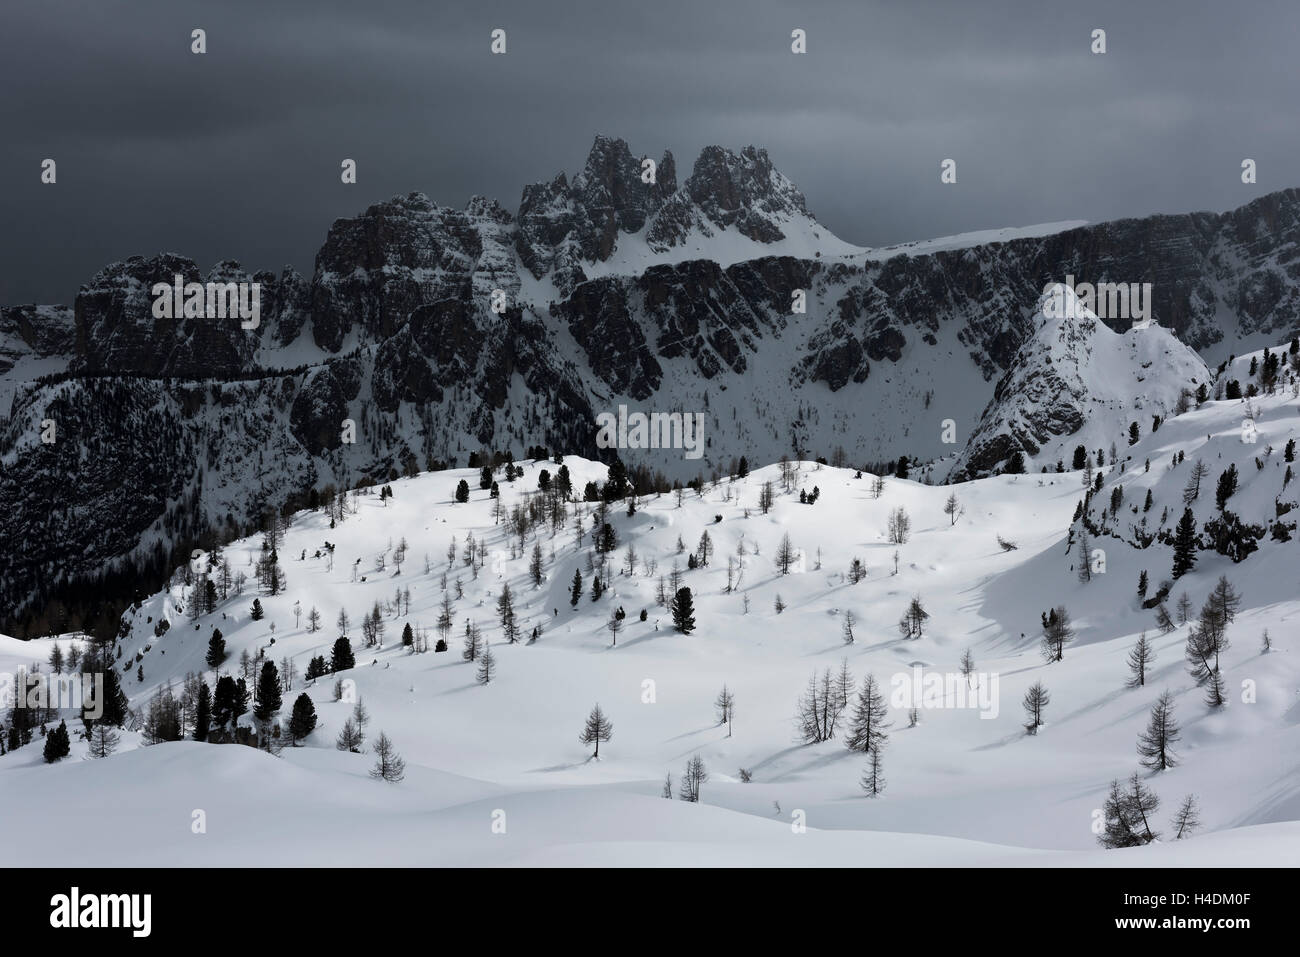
(235, 154)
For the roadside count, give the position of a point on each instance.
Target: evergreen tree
(575, 593)
(302, 720)
(535, 566)
(103, 740)
(967, 665)
(462, 492)
(1185, 545)
(1057, 633)
(912, 625)
(1128, 815)
(389, 766)
(113, 709)
(224, 707)
(257, 614)
(506, 613)
(1155, 743)
(725, 707)
(1226, 487)
(350, 737)
(1187, 819)
(597, 729)
(785, 555)
(868, 724)
(216, 649)
(1035, 702)
(57, 743)
(203, 713)
(1139, 659)
(408, 636)
(873, 781)
(694, 776)
(683, 609)
(268, 693)
(487, 666)
(473, 642)
(341, 657)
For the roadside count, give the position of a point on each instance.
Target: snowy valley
(783, 594)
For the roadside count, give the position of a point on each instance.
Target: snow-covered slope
(965, 785)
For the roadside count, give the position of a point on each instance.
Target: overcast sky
(235, 154)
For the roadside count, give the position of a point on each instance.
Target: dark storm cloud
(236, 154)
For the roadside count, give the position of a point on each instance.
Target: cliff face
(438, 332)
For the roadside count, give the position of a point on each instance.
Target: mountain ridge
(396, 332)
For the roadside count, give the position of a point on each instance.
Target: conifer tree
(487, 666)
(575, 592)
(1057, 633)
(268, 694)
(868, 724)
(535, 566)
(389, 766)
(967, 665)
(203, 713)
(1139, 659)
(596, 730)
(104, 740)
(873, 781)
(912, 625)
(350, 738)
(1154, 744)
(473, 642)
(341, 657)
(216, 649)
(1187, 819)
(683, 609)
(694, 776)
(1185, 545)
(1128, 815)
(506, 613)
(1035, 702)
(302, 720)
(57, 743)
(725, 707)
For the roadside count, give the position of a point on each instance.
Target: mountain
(426, 334)
(964, 782)
(1077, 382)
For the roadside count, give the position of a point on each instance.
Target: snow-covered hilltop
(495, 772)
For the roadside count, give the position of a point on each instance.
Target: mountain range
(437, 333)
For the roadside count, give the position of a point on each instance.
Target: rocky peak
(1076, 381)
(730, 190)
(562, 224)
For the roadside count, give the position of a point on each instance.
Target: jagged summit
(608, 290)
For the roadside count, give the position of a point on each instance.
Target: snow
(962, 788)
